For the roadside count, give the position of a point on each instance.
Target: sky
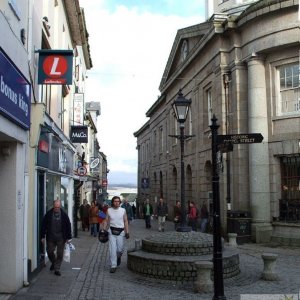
(130, 42)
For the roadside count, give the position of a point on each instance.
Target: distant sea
(118, 190)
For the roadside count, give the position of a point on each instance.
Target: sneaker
(113, 270)
(118, 261)
(52, 267)
(57, 273)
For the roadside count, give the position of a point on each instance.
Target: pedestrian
(56, 230)
(84, 215)
(133, 210)
(116, 224)
(161, 213)
(128, 209)
(192, 216)
(203, 216)
(177, 214)
(93, 218)
(148, 212)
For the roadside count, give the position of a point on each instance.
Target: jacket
(162, 209)
(65, 224)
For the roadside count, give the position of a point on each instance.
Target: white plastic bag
(67, 253)
(72, 247)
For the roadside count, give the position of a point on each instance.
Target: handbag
(101, 214)
(116, 231)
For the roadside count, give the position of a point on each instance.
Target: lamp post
(181, 108)
(226, 80)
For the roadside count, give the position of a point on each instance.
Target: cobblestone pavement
(88, 277)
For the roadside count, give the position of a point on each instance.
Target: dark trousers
(85, 223)
(148, 221)
(57, 259)
(193, 224)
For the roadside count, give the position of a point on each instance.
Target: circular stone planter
(172, 256)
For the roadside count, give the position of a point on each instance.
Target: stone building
(243, 67)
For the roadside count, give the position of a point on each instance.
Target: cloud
(129, 51)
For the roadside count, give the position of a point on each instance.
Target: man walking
(147, 211)
(161, 213)
(56, 230)
(84, 215)
(117, 225)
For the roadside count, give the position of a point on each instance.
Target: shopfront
(55, 162)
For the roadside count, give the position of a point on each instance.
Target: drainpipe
(26, 175)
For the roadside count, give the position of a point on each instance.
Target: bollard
(138, 244)
(269, 264)
(203, 281)
(232, 239)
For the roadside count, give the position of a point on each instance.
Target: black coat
(65, 224)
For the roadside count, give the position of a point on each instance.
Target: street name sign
(244, 138)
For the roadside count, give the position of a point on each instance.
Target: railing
(289, 210)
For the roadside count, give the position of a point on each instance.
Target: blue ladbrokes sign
(15, 93)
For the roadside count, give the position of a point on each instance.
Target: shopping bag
(67, 253)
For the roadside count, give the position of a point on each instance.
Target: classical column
(258, 153)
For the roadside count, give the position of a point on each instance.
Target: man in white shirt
(117, 225)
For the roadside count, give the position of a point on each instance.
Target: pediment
(186, 41)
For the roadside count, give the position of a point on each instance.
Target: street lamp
(181, 108)
(226, 81)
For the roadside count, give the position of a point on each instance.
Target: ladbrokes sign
(79, 134)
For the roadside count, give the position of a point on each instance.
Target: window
(209, 106)
(289, 89)
(161, 138)
(289, 204)
(46, 96)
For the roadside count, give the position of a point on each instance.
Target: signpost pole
(217, 254)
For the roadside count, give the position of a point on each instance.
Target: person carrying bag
(116, 224)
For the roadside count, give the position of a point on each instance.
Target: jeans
(203, 225)
(116, 247)
(161, 223)
(94, 229)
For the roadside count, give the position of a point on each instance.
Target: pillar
(259, 182)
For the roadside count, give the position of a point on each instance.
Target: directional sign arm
(245, 138)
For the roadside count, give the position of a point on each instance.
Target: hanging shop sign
(79, 134)
(78, 110)
(15, 93)
(55, 66)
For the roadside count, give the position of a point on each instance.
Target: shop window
(289, 98)
(290, 188)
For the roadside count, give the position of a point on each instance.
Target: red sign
(55, 66)
(81, 171)
(44, 146)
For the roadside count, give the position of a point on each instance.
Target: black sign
(79, 134)
(245, 138)
(145, 183)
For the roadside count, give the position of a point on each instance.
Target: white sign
(78, 108)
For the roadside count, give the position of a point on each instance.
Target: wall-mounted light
(23, 36)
